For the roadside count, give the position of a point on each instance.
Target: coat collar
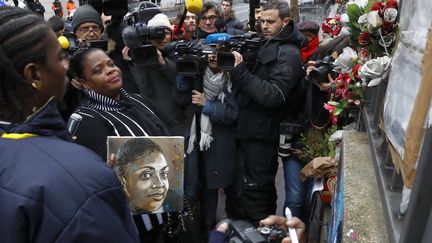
(46, 121)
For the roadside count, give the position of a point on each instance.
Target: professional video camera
(246, 44)
(242, 231)
(322, 69)
(137, 34)
(191, 57)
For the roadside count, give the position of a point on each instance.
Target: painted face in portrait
(146, 181)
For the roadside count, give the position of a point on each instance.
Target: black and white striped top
(132, 115)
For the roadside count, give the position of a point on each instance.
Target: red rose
(363, 39)
(387, 27)
(380, 7)
(356, 69)
(392, 4)
(364, 53)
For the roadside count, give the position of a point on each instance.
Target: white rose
(374, 21)
(373, 70)
(390, 15)
(346, 61)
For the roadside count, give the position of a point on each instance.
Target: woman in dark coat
(51, 190)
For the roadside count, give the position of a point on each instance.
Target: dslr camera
(242, 231)
(322, 69)
(287, 131)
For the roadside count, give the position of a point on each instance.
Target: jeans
(297, 192)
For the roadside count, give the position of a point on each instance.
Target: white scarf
(213, 84)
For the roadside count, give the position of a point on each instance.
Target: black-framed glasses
(87, 29)
(212, 18)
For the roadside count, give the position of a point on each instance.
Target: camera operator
(223, 229)
(264, 91)
(154, 74)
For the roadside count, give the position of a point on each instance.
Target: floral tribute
(373, 33)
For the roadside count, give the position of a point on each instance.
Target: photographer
(264, 91)
(87, 24)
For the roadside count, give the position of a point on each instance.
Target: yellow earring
(36, 85)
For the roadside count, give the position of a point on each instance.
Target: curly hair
(22, 37)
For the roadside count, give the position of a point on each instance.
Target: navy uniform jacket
(52, 190)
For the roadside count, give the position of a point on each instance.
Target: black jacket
(52, 190)
(267, 88)
(156, 81)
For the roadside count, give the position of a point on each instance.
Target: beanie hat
(159, 20)
(85, 14)
(308, 26)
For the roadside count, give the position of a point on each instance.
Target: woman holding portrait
(108, 110)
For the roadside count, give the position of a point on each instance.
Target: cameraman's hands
(325, 87)
(160, 57)
(238, 58)
(198, 98)
(282, 222)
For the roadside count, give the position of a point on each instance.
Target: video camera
(322, 69)
(242, 231)
(247, 44)
(191, 57)
(137, 34)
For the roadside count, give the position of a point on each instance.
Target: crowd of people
(56, 186)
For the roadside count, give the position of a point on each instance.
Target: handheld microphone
(73, 123)
(131, 37)
(194, 6)
(218, 38)
(64, 43)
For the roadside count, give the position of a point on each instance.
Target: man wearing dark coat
(265, 89)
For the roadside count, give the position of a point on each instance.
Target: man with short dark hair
(229, 15)
(265, 90)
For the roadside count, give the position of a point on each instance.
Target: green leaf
(337, 111)
(354, 12)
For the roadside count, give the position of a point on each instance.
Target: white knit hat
(159, 20)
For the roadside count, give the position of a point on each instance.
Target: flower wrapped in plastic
(390, 15)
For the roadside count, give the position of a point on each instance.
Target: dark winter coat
(267, 88)
(52, 190)
(221, 161)
(233, 23)
(156, 81)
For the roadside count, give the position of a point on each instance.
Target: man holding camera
(265, 90)
(87, 24)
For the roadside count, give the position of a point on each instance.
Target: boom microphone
(218, 38)
(73, 123)
(194, 6)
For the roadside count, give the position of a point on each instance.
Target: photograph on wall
(151, 171)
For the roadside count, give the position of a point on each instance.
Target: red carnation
(392, 4)
(387, 27)
(337, 30)
(326, 28)
(363, 39)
